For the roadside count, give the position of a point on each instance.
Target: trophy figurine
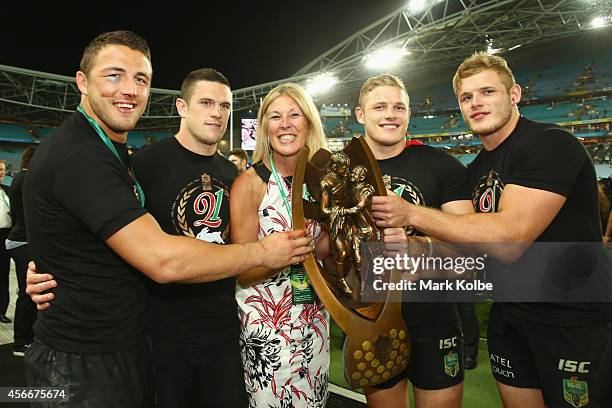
(336, 189)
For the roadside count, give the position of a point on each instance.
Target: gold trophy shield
(377, 344)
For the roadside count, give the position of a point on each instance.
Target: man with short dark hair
(194, 328)
(240, 158)
(86, 225)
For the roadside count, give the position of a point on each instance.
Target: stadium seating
(576, 91)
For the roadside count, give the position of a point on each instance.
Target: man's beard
(106, 116)
(494, 127)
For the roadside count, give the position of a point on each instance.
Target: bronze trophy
(336, 190)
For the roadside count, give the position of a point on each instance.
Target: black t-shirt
(429, 177)
(546, 157)
(18, 231)
(188, 194)
(76, 196)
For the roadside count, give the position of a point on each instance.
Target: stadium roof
(441, 34)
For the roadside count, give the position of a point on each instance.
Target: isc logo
(448, 343)
(574, 366)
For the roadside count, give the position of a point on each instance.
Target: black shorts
(571, 365)
(436, 358)
(200, 374)
(118, 379)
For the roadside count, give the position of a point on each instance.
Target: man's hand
(396, 242)
(282, 249)
(390, 211)
(38, 283)
(395, 235)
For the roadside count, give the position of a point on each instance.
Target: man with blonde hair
(482, 61)
(423, 176)
(524, 191)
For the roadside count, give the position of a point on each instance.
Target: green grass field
(479, 385)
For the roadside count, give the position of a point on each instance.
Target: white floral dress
(284, 347)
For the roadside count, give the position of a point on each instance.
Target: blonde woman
(284, 331)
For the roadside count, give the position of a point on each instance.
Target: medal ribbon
(112, 148)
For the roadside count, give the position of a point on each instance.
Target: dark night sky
(250, 42)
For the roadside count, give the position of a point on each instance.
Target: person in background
(240, 158)
(604, 209)
(17, 247)
(5, 260)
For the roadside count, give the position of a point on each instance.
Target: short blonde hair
(482, 61)
(316, 136)
(381, 80)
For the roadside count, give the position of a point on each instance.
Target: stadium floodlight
(490, 49)
(321, 83)
(416, 6)
(598, 22)
(384, 58)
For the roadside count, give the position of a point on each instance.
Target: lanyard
(112, 148)
(281, 187)
(302, 291)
